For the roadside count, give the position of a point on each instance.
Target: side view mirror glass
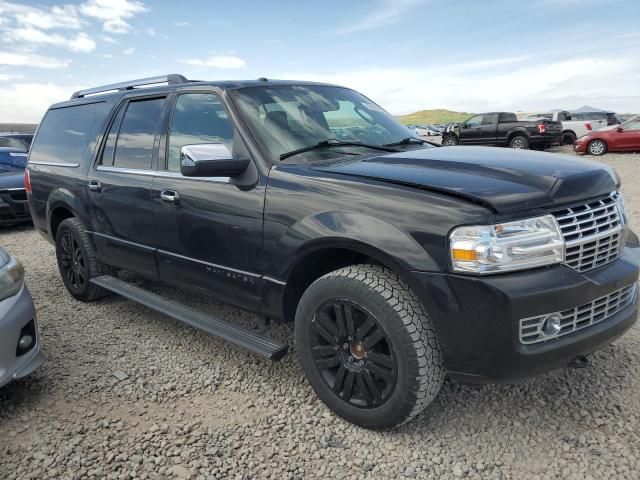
(210, 160)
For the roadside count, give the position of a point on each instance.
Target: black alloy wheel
(353, 353)
(72, 263)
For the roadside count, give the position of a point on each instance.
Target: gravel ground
(127, 393)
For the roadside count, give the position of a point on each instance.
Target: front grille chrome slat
(592, 232)
(577, 318)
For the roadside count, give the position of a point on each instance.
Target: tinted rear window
(67, 134)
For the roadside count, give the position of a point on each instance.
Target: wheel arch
(326, 255)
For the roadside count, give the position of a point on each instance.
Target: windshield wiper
(332, 142)
(406, 141)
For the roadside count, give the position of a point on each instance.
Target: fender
(64, 198)
(363, 233)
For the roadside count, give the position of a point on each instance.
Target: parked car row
(427, 130)
(573, 126)
(616, 138)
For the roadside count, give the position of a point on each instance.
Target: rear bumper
(16, 313)
(14, 207)
(477, 319)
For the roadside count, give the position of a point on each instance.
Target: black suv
(398, 261)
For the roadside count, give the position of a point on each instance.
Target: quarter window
(134, 146)
(198, 118)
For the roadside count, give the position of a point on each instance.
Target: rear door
(119, 187)
(488, 129)
(209, 230)
(471, 131)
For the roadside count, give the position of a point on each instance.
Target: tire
(382, 367)
(519, 142)
(77, 261)
(568, 138)
(450, 141)
(597, 147)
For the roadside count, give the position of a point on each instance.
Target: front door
(119, 188)
(629, 137)
(470, 131)
(210, 229)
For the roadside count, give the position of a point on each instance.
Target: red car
(616, 138)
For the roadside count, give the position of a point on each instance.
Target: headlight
(528, 243)
(11, 278)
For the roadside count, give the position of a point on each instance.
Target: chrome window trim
(160, 173)
(53, 164)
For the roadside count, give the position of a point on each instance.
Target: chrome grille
(574, 319)
(593, 233)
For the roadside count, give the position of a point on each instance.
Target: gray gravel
(128, 393)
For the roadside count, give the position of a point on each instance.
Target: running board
(243, 337)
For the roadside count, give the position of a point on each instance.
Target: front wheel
(450, 141)
(519, 142)
(367, 346)
(597, 147)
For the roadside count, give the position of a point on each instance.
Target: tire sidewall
(398, 407)
(71, 226)
(524, 141)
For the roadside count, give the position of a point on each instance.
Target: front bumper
(14, 207)
(477, 319)
(580, 146)
(15, 313)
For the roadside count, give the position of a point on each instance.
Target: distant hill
(18, 127)
(433, 116)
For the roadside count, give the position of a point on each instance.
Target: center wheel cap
(358, 350)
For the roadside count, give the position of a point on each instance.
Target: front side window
(632, 125)
(134, 145)
(474, 121)
(198, 118)
(290, 117)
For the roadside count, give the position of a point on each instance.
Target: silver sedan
(20, 351)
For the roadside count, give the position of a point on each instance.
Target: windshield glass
(290, 117)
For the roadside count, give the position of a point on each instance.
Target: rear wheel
(597, 147)
(77, 261)
(367, 346)
(519, 142)
(568, 138)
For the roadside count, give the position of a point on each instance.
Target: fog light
(25, 342)
(551, 326)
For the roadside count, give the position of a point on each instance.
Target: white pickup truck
(571, 129)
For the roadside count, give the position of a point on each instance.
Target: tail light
(588, 125)
(542, 128)
(27, 180)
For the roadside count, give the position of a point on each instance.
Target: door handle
(95, 186)
(170, 197)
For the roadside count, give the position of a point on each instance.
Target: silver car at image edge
(20, 351)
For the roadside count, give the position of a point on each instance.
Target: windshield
(291, 117)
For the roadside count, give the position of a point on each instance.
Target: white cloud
(183, 24)
(27, 102)
(108, 39)
(150, 31)
(6, 77)
(31, 60)
(216, 61)
(383, 13)
(64, 16)
(522, 85)
(81, 42)
(113, 13)
(129, 51)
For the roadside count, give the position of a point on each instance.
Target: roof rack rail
(170, 79)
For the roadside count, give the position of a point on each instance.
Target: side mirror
(620, 128)
(210, 160)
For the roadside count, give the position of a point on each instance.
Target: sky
(406, 55)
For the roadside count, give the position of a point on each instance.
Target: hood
(502, 179)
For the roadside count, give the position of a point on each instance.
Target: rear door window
(67, 134)
(137, 134)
